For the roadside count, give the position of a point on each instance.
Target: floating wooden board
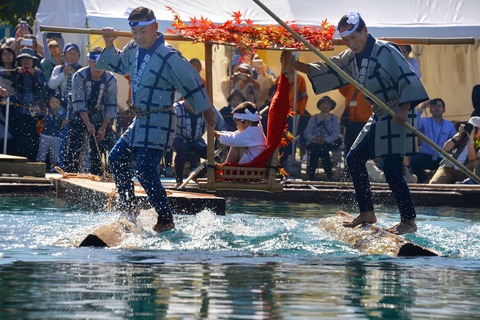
(371, 239)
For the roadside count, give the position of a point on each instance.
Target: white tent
(448, 71)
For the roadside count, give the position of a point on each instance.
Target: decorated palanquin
(263, 173)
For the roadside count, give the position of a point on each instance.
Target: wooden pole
(100, 32)
(336, 41)
(421, 41)
(210, 128)
(367, 93)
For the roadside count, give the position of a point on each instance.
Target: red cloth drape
(277, 119)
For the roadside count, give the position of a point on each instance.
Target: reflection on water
(260, 261)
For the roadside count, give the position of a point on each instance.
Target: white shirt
(252, 137)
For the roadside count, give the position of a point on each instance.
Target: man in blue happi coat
(156, 70)
(380, 67)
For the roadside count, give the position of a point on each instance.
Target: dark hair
(28, 27)
(476, 97)
(408, 48)
(436, 101)
(96, 50)
(272, 90)
(343, 23)
(10, 50)
(247, 105)
(194, 60)
(141, 13)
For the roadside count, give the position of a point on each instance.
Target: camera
(468, 127)
(242, 76)
(26, 42)
(53, 35)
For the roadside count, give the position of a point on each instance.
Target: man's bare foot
(403, 227)
(161, 227)
(362, 218)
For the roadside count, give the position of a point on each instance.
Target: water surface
(262, 260)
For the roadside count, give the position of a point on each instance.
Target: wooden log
(336, 41)
(114, 233)
(371, 239)
(111, 235)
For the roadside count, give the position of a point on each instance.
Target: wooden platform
(95, 195)
(452, 195)
(371, 239)
(14, 166)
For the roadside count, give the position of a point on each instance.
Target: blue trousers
(356, 159)
(147, 171)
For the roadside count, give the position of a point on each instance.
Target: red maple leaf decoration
(243, 33)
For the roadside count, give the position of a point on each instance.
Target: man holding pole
(156, 71)
(379, 67)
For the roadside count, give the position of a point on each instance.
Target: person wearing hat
(379, 67)
(62, 75)
(234, 99)
(29, 97)
(53, 122)
(464, 146)
(52, 59)
(322, 135)
(95, 101)
(243, 80)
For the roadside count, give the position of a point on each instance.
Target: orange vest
(359, 112)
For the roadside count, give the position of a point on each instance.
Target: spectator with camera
(24, 38)
(437, 130)
(464, 146)
(28, 100)
(244, 81)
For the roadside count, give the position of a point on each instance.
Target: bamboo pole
(100, 32)
(210, 128)
(336, 41)
(354, 82)
(421, 41)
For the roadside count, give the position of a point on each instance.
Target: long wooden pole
(210, 128)
(366, 92)
(336, 41)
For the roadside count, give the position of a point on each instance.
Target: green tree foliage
(12, 11)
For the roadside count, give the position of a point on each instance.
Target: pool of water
(261, 260)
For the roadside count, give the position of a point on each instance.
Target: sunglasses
(239, 120)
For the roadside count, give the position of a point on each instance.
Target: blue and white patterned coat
(390, 79)
(165, 71)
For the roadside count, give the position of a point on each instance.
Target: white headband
(141, 23)
(353, 18)
(248, 116)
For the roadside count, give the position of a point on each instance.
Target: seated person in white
(248, 141)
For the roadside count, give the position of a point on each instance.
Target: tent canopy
(418, 18)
